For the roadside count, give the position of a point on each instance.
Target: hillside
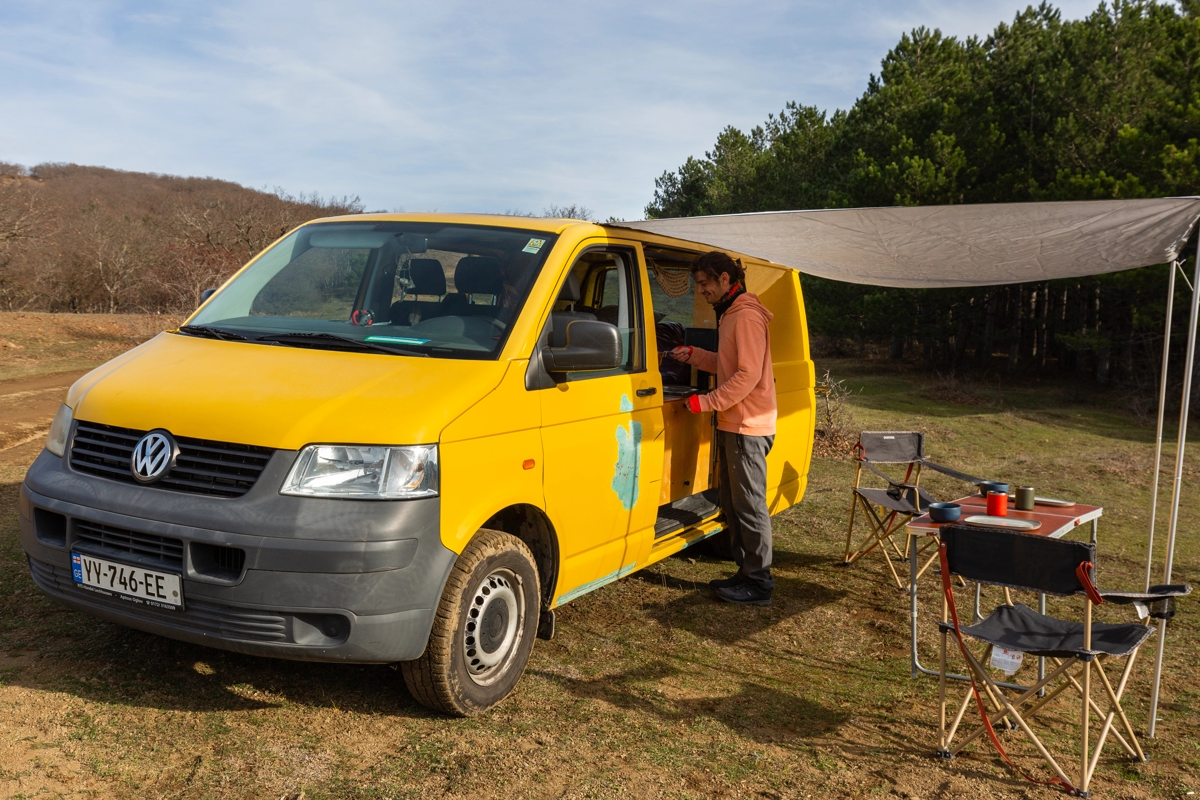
(78, 238)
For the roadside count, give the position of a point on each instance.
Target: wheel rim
(494, 625)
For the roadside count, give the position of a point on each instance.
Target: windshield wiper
(346, 342)
(209, 332)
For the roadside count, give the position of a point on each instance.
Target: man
(745, 404)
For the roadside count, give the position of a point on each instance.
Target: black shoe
(745, 594)
(737, 579)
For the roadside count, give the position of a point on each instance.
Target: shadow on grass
(106, 663)
(700, 613)
(761, 713)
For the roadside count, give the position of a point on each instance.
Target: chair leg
(872, 538)
(942, 751)
(1085, 714)
(880, 529)
(850, 528)
(1037, 743)
(1021, 700)
(1115, 699)
(1074, 684)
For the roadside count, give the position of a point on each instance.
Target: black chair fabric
(892, 447)
(1019, 627)
(898, 498)
(1016, 560)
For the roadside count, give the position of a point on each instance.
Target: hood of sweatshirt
(748, 304)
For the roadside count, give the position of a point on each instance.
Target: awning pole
(1190, 363)
(1162, 412)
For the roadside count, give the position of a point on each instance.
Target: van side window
(603, 285)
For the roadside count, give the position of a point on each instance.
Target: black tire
(491, 599)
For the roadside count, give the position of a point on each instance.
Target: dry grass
(40, 344)
(650, 688)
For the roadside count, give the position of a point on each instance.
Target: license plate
(134, 584)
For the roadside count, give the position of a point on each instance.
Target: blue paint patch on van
(596, 584)
(629, 463)
(626, 403)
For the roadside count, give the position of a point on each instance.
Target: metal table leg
(914, 658)
(1041, 659)
(912, 599)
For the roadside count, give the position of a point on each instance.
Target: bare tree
(22, 221)
(573, 211)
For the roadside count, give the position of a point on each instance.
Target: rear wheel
(483, 631)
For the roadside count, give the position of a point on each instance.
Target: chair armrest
(953, 473)
(894, 484)
(1160, 592)
(1157, 603)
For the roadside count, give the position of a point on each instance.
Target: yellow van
(403, 438)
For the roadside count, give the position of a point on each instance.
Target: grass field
(649, 689)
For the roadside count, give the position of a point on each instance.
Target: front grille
(219, 469)
(145, 549)
(199, 616)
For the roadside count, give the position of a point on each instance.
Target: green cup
(1025, 498)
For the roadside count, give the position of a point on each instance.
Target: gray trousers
(743, 475)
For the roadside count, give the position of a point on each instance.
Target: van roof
(547, 224)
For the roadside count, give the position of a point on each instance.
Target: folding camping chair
(1076, 650)
(887, 510)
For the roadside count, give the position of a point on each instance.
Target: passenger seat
(429, 280)
(561, 319)
(475, 275)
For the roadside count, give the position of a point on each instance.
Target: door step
(685, 513)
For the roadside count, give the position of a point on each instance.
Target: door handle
(646, 392)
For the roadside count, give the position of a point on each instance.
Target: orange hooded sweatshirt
(745, 395)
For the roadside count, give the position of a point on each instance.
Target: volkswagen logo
(153, 455)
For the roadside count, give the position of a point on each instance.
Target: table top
(1056, 520)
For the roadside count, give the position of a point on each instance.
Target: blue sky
(446, 106)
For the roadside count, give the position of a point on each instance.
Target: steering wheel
(362, 316)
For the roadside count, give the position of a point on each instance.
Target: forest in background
(91, 239)
(1043, 109)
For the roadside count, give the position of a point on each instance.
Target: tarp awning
(946, 246)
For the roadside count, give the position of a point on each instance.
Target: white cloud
(450, 105)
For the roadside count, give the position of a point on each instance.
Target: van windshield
(409, 288)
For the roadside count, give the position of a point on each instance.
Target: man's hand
(683, 354)
(693, 403)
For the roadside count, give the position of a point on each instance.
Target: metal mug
(997, 504)
(1025, 498)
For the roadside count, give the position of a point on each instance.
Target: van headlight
(60, 429)
(360, 472)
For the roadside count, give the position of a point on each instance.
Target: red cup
(997, 504)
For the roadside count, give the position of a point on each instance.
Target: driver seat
(429, 279)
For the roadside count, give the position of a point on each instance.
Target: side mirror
(590, 346)
(207, 293)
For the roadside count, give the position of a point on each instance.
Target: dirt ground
(649, 688)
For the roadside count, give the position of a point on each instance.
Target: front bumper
(321, 580)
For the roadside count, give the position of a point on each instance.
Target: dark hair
(714, 263)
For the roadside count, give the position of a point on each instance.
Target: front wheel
(483, 631)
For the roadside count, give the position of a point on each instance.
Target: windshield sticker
(396, 340)
(534, 245)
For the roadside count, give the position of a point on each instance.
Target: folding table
(1057, 521)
